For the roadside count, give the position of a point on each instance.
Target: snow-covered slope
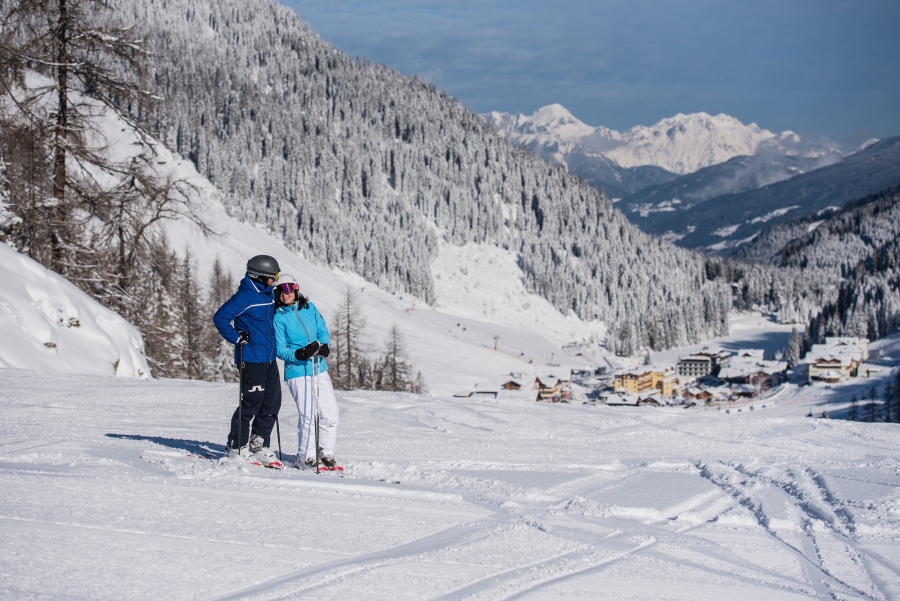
(479, 289)
(481, 294)
(49, 324)
(680, 144)
(441, 499)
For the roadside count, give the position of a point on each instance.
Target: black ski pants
(261, 394)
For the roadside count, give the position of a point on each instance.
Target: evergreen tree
(896, 396)
(68, 70)
(395, 373)
(871, 405)
(218, 351)
(853, 415)
(793, 349)
(347, 365)
(419, 386)
(87, 61)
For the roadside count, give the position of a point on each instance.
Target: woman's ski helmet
(286, 284)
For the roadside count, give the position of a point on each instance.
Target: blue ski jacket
(251, 310)
(296, 327)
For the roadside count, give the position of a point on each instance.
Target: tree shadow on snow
(193, 447)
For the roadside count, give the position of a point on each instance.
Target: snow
(49, 324)
(442, 498)
(117, 487)
(681, 144)
(724, 232)
(452, 343)
(772, 215)
(485, 282)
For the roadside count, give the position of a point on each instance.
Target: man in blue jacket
(245, 320)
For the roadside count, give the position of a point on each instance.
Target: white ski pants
(306, 391)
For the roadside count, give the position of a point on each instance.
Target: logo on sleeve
(257, 388)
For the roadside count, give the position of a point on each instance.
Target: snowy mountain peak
(681, 144)
(554, 114)
(552, 125)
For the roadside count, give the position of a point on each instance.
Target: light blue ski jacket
(295, 328)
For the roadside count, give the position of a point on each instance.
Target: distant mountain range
(680, 145)
(706, 182)
(723, 223)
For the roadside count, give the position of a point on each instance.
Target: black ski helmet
(263, 267)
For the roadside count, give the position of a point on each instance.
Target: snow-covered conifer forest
(360, 167)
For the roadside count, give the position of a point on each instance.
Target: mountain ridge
(680, 144)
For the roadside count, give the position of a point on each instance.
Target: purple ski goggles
(288, 288)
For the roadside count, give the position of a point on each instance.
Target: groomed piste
(116, 488)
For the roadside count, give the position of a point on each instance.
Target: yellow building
(647, 378)
(665, 381)
(633, 382)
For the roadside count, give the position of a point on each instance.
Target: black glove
(243, 338)
(303, 354)
(324, 351)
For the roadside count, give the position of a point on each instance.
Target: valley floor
(442, 499)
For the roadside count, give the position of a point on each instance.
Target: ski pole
(240, 424)
(278, 430)
(316, 406)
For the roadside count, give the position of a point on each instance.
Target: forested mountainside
(834, 241)
(360, 167)
(868, 302)
(730, 220)
(856, 248)
(655, 204)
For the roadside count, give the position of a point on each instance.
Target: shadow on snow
(194, 447)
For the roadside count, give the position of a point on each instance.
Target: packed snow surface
(117, 489)
(484, 282)
(49, 324)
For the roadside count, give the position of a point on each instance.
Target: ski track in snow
(117, 489)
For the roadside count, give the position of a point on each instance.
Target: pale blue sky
(818, 67)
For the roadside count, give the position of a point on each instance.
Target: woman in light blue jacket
(301, 340)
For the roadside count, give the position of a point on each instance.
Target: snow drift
(49, 324)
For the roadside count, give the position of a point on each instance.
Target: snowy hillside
(49, 324)
(120, 491)
(480, 293)
(358, 167)
(681, 144)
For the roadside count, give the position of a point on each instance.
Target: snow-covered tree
(794, 348)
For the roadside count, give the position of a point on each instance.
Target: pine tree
(871, 405)
(419, 386)
(348, 367)
(896, 396)
(793, 349)
(394, 369)
(853, 415)
(82, 53)
(219, 352)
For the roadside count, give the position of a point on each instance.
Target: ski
(276, 465)
(322, 468)
(205, 456)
